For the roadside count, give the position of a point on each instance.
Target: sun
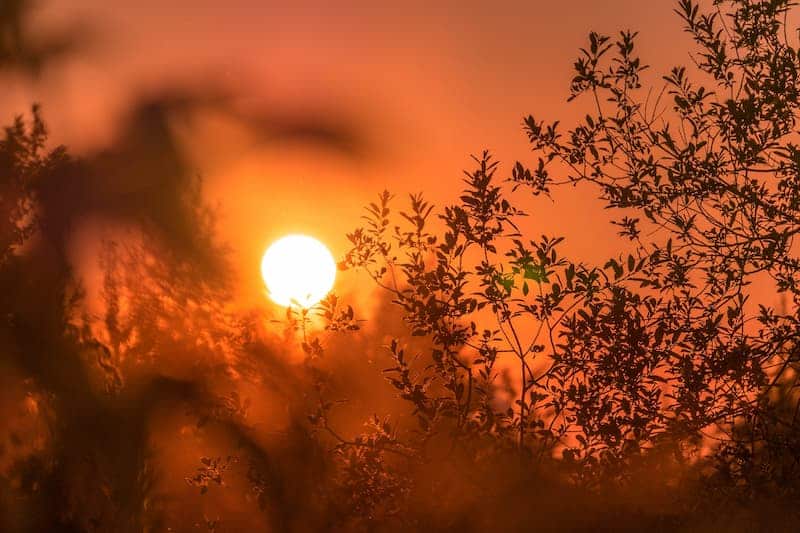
(298, 271)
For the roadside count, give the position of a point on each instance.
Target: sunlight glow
(298, 271)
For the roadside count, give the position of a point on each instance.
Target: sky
(425, 85)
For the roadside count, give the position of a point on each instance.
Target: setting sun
(298, 270)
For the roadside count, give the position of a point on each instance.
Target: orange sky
(427, 84)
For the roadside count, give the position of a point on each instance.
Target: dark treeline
(519, 389)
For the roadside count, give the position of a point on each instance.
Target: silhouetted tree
(667, 351)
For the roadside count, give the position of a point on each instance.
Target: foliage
(668, 344)
(712, 174)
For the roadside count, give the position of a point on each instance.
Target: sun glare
(298, 271)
